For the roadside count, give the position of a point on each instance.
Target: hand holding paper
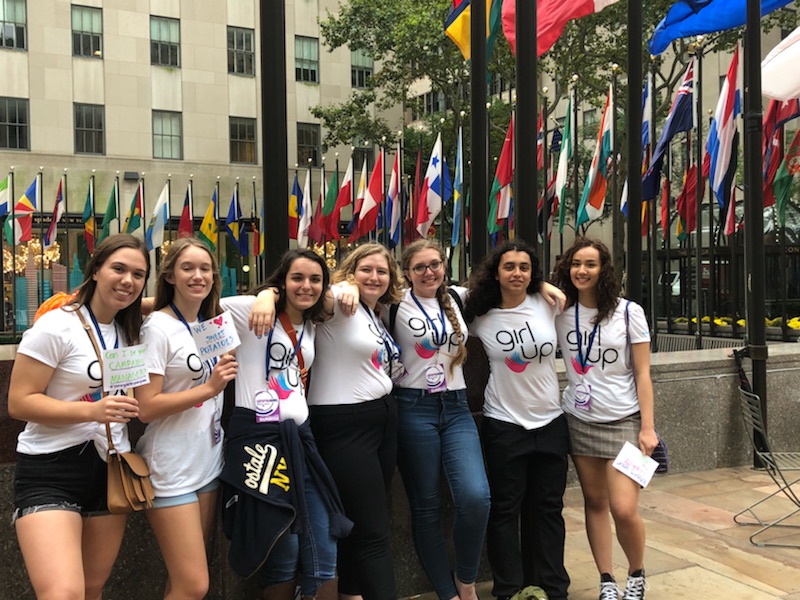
(631, 462)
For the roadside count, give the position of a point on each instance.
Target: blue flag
(695, 17)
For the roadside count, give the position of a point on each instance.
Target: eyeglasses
(435, 267)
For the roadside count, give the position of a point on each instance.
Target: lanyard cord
(385, 336)
(583, 359)
(210, 363)
(294, 352)
(438, 340)
(100, 333)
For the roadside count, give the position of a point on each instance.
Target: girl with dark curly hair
(524, 431)
(605, 342)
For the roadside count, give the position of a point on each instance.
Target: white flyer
(215, 336)
(631, 462)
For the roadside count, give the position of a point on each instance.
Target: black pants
(359, 444)
(527, 473)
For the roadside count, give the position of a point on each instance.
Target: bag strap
(628, 331)
(289, 329)
(454, 295)
(88, 329)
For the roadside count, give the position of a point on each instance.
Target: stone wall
(697, 413)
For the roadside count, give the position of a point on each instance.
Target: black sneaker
(608, 588)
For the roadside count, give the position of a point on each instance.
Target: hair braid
(447, 305)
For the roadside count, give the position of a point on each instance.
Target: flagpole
(617, 222)
(545, 216)
(13, 203)
(334, 216)
(526, 168)
(480, 134)
(652, 212)
(191, 200)
(698, 95)
(116, 203)
(256, 235)
(64, 197)
(5, 218)
(239, 241)
(40, 204)
(398, 203)
(168, 224)
(712, 253)
(382, 206)
(667, 226)
(633, 284)
(216, 221)
(575, 192)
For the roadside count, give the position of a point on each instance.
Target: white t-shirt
(608, 372)
(279, 395)
(521, 345)
(351, 359)
(422, 355)
(184, 450)
(59, 340)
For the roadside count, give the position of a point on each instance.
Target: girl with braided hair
(436, 432)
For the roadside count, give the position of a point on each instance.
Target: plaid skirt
(602, 440)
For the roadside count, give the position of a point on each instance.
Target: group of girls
(309, 453)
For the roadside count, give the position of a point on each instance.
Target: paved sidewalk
(694, 549)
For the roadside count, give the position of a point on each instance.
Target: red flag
(665, 207)
(316, 231)
(371, 206)
(552, 16)
(540, 143)
(730, 215)
(344, 198)
(185, 226)
(686, 201)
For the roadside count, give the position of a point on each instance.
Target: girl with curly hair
(524, 430)
(605, 342)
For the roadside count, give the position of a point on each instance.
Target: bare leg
(102, 537)
(624, 504)
(51, 547)
(592, 473)
(180, 536)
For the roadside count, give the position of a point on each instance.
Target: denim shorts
(73, 479)
(169, 501)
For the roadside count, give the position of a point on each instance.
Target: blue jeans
(311, 555)
(436, 435)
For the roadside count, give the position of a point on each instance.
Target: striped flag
(594, 192)
(209, 232)
(58, 211)
(154, 236)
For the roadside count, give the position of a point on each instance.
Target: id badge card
(583, 396)
(268, 407)
(435, 378)
(216, 425)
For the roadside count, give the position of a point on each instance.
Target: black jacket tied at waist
(263, 487)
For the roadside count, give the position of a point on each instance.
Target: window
(87, 31)
(89, 129)
(241, 51)
(434, 103)
(306, 59)
(165, 42)
(14, 124)
(243, 140)
(167, 134)
(308, 144)
(361, 68)
(13, 29)
(589, 117)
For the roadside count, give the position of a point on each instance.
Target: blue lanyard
(294, 352)
(210, 363)
(437, 339)
(385, 336)
(583, 359)
(100, 333)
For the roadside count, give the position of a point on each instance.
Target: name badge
(435, 378)
(583, 396)
(268, 407)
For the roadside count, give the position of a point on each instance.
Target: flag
(329, 213)
(778, 68)
(186, 226)
(370, 206)
(359, 202)
(783, 179)
(458, 22)
(304, 216)
(540, 143)
(730, 214)
(58, 211)
(112, 213)
(777, 114)
(722, 130)
(23, 215)
(680, 118)
(547, 210)
(594, 191)
(316, 231)
(500, 194)
(694, 17)
(458, 189)
(5, 195)
(429, 202)
(394, 202)
(134, 216)
(665, 207)
(551, 18)
(233, 223)
(647, 118)
(154, 236)
(258, 243)
(88, 219)
(343, 198)
(686, 202)
(208, 231)
(295, 199)
(562, 176)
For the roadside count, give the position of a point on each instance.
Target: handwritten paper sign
(124, 368)
(631, 462)
(215, 337)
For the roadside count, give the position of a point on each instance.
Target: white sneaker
(635, 587)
